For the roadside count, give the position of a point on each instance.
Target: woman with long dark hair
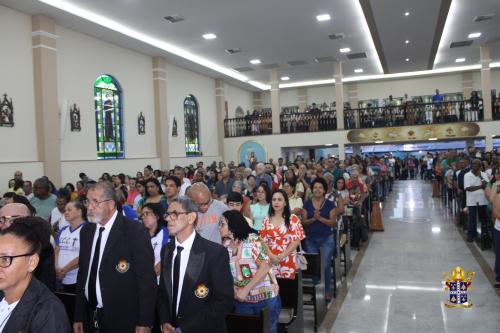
(153, 194)
(282, 233)
(152, 218)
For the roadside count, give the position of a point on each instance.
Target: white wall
(181, 83)
(289, 97)
(237, 97)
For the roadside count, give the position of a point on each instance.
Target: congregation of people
(179, 249)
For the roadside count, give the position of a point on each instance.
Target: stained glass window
(108, 118)
(191, 126)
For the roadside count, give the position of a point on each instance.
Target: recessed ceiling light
(407, 41)
(285, 78)
(345, 50)
(323, 17)
(460, 60)
(358, 70)
(379, 141)
(474, 35)
(433, 139)
(255, 61)
(407, 59)
(407, 13)
(209, 36)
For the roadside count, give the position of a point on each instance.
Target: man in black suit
(196, 286)
(116, 284)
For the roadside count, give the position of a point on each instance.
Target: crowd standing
(131, 246)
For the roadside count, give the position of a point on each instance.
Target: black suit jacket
(38, 311)
(126, 275)
(208, 266)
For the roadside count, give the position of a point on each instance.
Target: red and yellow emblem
(201, 291)
(122, 266)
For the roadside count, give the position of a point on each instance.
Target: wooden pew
(249, 324)
(315, 270)
(69, 303)
(291, 316)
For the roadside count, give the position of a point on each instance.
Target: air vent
(352, 56)
(270, 66)
(336, 36)
(233, 51)
(297, 62)
(325, 59)
(174, 18)
(461, 44)
(481, 18)
(243, 69)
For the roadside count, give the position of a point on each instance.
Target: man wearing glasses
(196, 288)
(116, 283)
(10, 212)
(209, 212)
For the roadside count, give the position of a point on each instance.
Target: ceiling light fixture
(474, 35)
(407, 41)
(358, 70)
(407, 59)
(209, 36)
(323, 17)
(126, 30)
(379, 141)
(285, 78)
(255, 61)
(345, 50)
(407, 13)
(433, 139)
(460, 60)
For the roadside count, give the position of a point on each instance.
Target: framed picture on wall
(6, 112)
(74, 113)
(141, 124)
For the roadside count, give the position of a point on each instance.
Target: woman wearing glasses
(152, 218)
(255, 286)
(260, 209)
(26, 305)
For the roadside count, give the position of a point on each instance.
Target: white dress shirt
(5, 311)
(475, 197)
(104, 239)
(185, 184)
(187, 245)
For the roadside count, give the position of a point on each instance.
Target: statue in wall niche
(174, 128)
(74, 113)
(108, 106)
(141, 122)
(6, 112)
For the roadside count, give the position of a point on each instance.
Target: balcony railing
(308, 122)
(248, 126)
(407, 114)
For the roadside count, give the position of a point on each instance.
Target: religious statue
(174, 128)
(6, 112)
(141, 124)
(108, 108)
(74, 113)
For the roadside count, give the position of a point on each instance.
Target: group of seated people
(260, 214)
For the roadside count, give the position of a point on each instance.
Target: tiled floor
(398, 287)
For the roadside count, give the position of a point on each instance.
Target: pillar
(220, 108)
(47, 111)
(302, 99)
(256, 101)
(275, 100)
(339, 94)
(352, 93)
(486, 80)
(488, 143)
(341, 151)
(356, 150)
(162, 126)
(467, 84)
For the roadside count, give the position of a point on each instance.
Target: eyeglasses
(8, 219)
(94, 203)
(174, 215)
(6, 261)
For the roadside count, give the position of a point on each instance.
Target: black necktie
(93, 272)
(175, 285)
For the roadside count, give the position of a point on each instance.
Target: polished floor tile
(398, 286)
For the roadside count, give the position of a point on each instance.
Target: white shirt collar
(188, 243)
(109, 225)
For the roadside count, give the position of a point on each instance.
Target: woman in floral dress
(282, 232)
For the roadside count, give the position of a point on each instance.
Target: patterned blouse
(278, 239)
(244, 261)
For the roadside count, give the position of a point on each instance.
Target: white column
(275, 100)
(339, 94)
(489, 143)
(341, 151)
(220, 108)
(162, 127)
(486, 80)
(43, 31)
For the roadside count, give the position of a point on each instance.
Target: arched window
(108, 118)
(191, 126)
(239, 113)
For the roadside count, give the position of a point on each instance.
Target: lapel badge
(201, 291)
(122, 266)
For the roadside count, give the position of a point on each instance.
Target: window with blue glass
(108, 118)
(191, 126)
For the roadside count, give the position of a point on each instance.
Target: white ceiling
(277, 31)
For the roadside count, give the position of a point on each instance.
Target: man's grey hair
(107, 188)
(238, 183)
(188, 206)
